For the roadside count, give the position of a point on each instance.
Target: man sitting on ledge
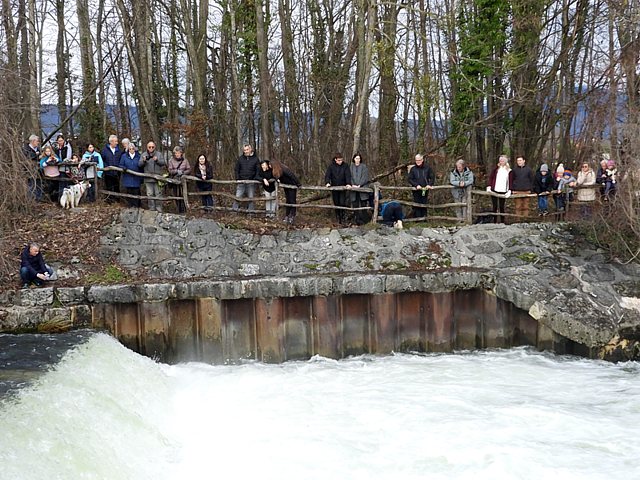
(32, 267)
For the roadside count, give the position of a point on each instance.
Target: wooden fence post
(376, 202)
(185, 192)
(469, 200)
(276, 198)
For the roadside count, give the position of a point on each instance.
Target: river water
(104, 412)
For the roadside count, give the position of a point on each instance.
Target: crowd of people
(59, 165)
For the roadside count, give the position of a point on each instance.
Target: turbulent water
(105, 412)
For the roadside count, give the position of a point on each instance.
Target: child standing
(542, 185)
(565, 190)
(610, 179)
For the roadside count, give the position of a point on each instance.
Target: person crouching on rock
(32, 267)
(392, 214)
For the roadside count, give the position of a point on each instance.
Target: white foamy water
(105, 412)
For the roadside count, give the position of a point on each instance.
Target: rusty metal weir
(335, 326)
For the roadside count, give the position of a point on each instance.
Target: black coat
(338, 175)
(421, 175)
(522, 179)
(34, 264)
(288, 177)
(248, 168)
(267, 175)
(543, 183)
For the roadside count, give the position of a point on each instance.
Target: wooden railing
(387, 193)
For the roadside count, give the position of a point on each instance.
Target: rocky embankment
(565, 284)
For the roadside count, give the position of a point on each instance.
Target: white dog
(71, 196)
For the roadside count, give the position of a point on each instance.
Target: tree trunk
(365, 26)
(265, 81)
(61, 61)
(388, 139)
(90, 117)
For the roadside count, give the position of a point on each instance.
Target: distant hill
(50, 118)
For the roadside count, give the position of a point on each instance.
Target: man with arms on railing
(247, 168)
(522, 183)
(461, 178)
(338, 174)
(111, 154)
(422, 179)
(153, 163)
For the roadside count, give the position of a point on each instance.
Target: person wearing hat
(542, 185)
(269, 185)
(565, 190)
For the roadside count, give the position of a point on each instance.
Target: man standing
(153, 163)
(522, 183)
(421, 178)
(461, 178)
(32, 152)
(111, 154)
(247, 168)
(338, 174)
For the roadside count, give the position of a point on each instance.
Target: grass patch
(110, 275)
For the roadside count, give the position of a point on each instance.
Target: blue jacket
(128, 180)
(94, 157)
(111, 159)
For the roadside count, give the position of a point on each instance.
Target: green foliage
(109, 276)
(482, 36)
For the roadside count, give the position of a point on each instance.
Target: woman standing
(178, 166)
(92, 156)
(283, 174)
(359, 178)
(129, 161)
(49, 164)
(586, 177)
(500, 181)
(204, 171)
(269, 186)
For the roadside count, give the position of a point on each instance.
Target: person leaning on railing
(422, 179)
(461, 178)
(522, 183)
(586, 196)
(285, 175)
(91, 157)
(542, 185)
(338, 175)
(500, 180)
(178, 165)
(153, 163)
(111, 154)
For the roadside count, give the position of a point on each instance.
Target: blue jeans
(28, 277)
(242, 189)
(543, 203)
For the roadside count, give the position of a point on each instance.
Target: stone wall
(542, 269)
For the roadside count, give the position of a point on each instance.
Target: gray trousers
(245, 190)
(153, 190)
